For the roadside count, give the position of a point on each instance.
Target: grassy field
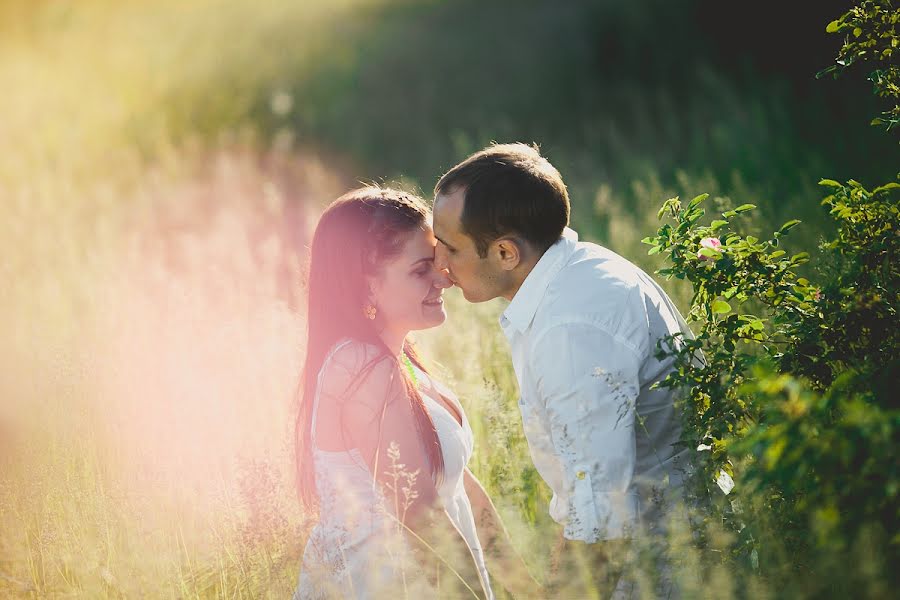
(162, 165)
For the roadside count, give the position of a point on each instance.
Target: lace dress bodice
(356, 549)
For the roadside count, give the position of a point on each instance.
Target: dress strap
(321, 374)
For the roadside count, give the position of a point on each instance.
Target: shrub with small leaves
(789, 395)
(870, 35)
(746, 291)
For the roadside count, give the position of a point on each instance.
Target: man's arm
(587, 381)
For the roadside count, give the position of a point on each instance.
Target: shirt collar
(520, 312)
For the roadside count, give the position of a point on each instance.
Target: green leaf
(826, 71)
(720, 307)
(697, 200)
(709, 253)
(789, 225)
(649, 240)
(832, 27)
(654, 250)
(888, 186)
(830, 183)
(773, 452)
(717, 224)
(744, 208)
(696, 215)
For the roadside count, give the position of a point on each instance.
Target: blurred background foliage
(614, 92)
(162, 164)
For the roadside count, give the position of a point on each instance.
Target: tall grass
(148, 394)
(150, 312)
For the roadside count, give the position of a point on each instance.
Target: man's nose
(440, 257)
(441, 278)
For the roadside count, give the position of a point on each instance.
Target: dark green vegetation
(793, 408)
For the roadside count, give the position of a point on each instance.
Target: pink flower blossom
(710, 243)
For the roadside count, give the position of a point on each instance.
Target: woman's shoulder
(357, 371)
(350, 353)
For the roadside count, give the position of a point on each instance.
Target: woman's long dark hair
(355, 235)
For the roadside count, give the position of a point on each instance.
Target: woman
(382, 446)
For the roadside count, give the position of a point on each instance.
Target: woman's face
(407, 293)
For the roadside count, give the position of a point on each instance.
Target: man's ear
(508, 253)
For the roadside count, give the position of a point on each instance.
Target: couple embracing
(382, 444)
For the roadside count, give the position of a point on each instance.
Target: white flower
(725, 482)
(281, 103)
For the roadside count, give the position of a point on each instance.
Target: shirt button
(580, 474)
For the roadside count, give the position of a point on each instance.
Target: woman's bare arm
(504, 563)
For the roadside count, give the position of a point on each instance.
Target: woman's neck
(394, 340)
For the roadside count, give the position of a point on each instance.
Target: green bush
(790, 398)
(872, 25)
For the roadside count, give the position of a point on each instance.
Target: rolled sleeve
(587, 379)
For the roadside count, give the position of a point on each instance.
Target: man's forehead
(448, 208)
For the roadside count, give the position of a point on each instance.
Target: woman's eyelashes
(424, 270)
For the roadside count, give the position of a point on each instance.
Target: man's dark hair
(510, 189)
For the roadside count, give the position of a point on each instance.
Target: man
(583, 325)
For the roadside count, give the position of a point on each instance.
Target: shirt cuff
(596, 516)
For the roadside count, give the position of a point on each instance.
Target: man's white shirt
(583, 330)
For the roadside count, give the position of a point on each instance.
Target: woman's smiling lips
(437, 301)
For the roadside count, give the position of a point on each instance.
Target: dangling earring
(370, 312)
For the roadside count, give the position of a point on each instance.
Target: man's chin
(475, 298)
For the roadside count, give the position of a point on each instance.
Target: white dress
(356, 550)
